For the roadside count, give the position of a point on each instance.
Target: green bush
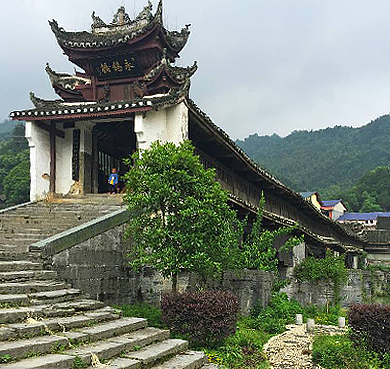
(143, 310)
(326, 315)
(331, 269)
(339, 352)
(244, 349)
(274, 318)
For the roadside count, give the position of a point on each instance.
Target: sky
(265, 66)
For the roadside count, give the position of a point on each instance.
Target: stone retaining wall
(362, 286)
(99, 268)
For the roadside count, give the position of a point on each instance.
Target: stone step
(18, 265)
(14, 300)
(158, 351)
(55, 296)
(53, 361)
(106, 330)
(186, 360)
(38, 345)
(14, 249)
(31, 287)
(60, 324)
(121, 363)
(15, 315)
(116, 346)
(28, 275)
(80, 305)
(33, 256)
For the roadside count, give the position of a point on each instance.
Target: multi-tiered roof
(122, 61)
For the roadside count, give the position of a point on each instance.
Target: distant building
(367, 220)
(334, 209)
(313, 197)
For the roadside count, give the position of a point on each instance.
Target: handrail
(71, 237)
(15, 207)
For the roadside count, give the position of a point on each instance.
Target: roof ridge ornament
(38, 102)
(121, 18)
(146, 13)
(97, 21)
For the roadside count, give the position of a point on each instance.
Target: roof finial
(121, 17)
(97, 21)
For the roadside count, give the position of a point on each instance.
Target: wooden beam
(52, 188)
(49, 128)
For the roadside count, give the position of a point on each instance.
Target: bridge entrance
(113, 142)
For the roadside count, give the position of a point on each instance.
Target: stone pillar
(355, 262)
(166, 125)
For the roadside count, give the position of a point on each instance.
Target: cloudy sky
(265, 66)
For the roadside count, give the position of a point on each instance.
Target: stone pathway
(292, 349)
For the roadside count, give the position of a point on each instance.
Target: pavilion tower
(127, 93)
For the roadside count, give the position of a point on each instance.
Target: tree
(14, 167)
(17, 181)
(180, 217)
(258, 250)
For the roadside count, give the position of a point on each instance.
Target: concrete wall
(99, 268)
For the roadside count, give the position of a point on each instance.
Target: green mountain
(6, 128)
(330, 160)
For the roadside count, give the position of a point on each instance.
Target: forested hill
(316, 160)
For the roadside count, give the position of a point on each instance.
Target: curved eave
(82, 111)
(63, 92)
(164, 72)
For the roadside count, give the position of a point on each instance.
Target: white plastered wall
(166, 125)
(64, 161)
(39, 143)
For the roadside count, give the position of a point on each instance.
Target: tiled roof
(363, 216)
(306, 195)
(108, 35)
(329, 203)
(59, 109)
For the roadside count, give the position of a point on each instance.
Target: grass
(242, 350)
(340, 352)
(143, 310)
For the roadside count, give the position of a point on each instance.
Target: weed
(79, 363)
(5, 358)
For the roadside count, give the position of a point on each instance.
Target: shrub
(143, 310)
(326, 315)
(244, 349)
(205, 317)
(338, 352)
(277, 314)
(330, 269)
(372, 323)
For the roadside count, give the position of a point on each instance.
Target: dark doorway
(115, 141)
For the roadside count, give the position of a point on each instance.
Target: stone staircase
(46, 324)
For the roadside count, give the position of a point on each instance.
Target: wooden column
(52, 188)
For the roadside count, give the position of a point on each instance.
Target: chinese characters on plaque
(121, 66)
